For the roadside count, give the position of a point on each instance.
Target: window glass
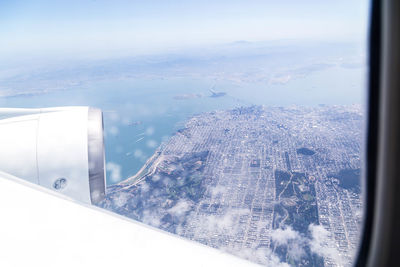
(236, 124)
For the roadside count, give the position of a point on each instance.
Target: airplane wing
(40, 228)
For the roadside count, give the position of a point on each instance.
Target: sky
(80, 27)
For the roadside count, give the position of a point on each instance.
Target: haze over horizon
(101, 29)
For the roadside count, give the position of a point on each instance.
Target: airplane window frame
(379, 244)
(372, 131)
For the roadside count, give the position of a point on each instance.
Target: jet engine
(59, 148)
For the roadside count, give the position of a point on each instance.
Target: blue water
(140, 114)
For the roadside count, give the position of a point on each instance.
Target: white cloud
(167, 182)
(320, 243)
(180, 208)
(208, 226)
(144, 187)
(283, 236)
(138, 153)
(115, 170)
(151, 143)
(113, 130)
(292, 239)
(120, 199)
(323, 245)
(226, 224)
(155, 177)
(150, 131)
(218, 190)
(296, 248)
(151, 218)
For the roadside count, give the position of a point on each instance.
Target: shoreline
(147, 169)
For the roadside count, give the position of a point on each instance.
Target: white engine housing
(58, 148)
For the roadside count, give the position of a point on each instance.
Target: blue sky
(138, 27)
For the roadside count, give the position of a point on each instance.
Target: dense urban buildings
(273, 185)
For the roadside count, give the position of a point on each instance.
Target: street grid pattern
(245, 149)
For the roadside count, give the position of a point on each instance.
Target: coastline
(148, 169)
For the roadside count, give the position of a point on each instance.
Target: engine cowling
(58, 148)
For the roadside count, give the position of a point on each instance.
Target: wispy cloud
(323, 245)
(283, 236)
(180, 208)
(115, 170)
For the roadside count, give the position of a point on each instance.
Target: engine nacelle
(58, 148)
